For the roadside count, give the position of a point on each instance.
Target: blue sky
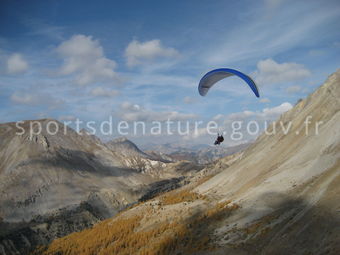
(142, 60)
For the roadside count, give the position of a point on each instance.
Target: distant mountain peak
(125, 143)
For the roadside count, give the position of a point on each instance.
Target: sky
(142, 60)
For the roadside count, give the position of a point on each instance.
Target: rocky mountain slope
(281, 196)
(54, 183)
(126, 148)
(44, 172)
(135, 158)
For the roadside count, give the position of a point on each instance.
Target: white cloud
(266, 113)
(16, 64)
(85, 57)
(140, 52)
(293, 89)
(101, 92)
(276, 111)
(135, 112)
(264, 100)
(130, 107)
(269, 72)
(26, 98)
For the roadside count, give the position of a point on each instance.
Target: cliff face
(278, 197)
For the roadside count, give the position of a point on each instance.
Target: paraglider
(212, 77)
(219, 139)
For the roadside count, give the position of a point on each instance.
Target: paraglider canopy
(212, 77)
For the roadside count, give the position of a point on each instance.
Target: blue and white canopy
(212, 77)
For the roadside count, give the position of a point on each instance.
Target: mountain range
(279, 196)
(57, 182)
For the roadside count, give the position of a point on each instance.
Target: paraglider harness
(219, 139)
